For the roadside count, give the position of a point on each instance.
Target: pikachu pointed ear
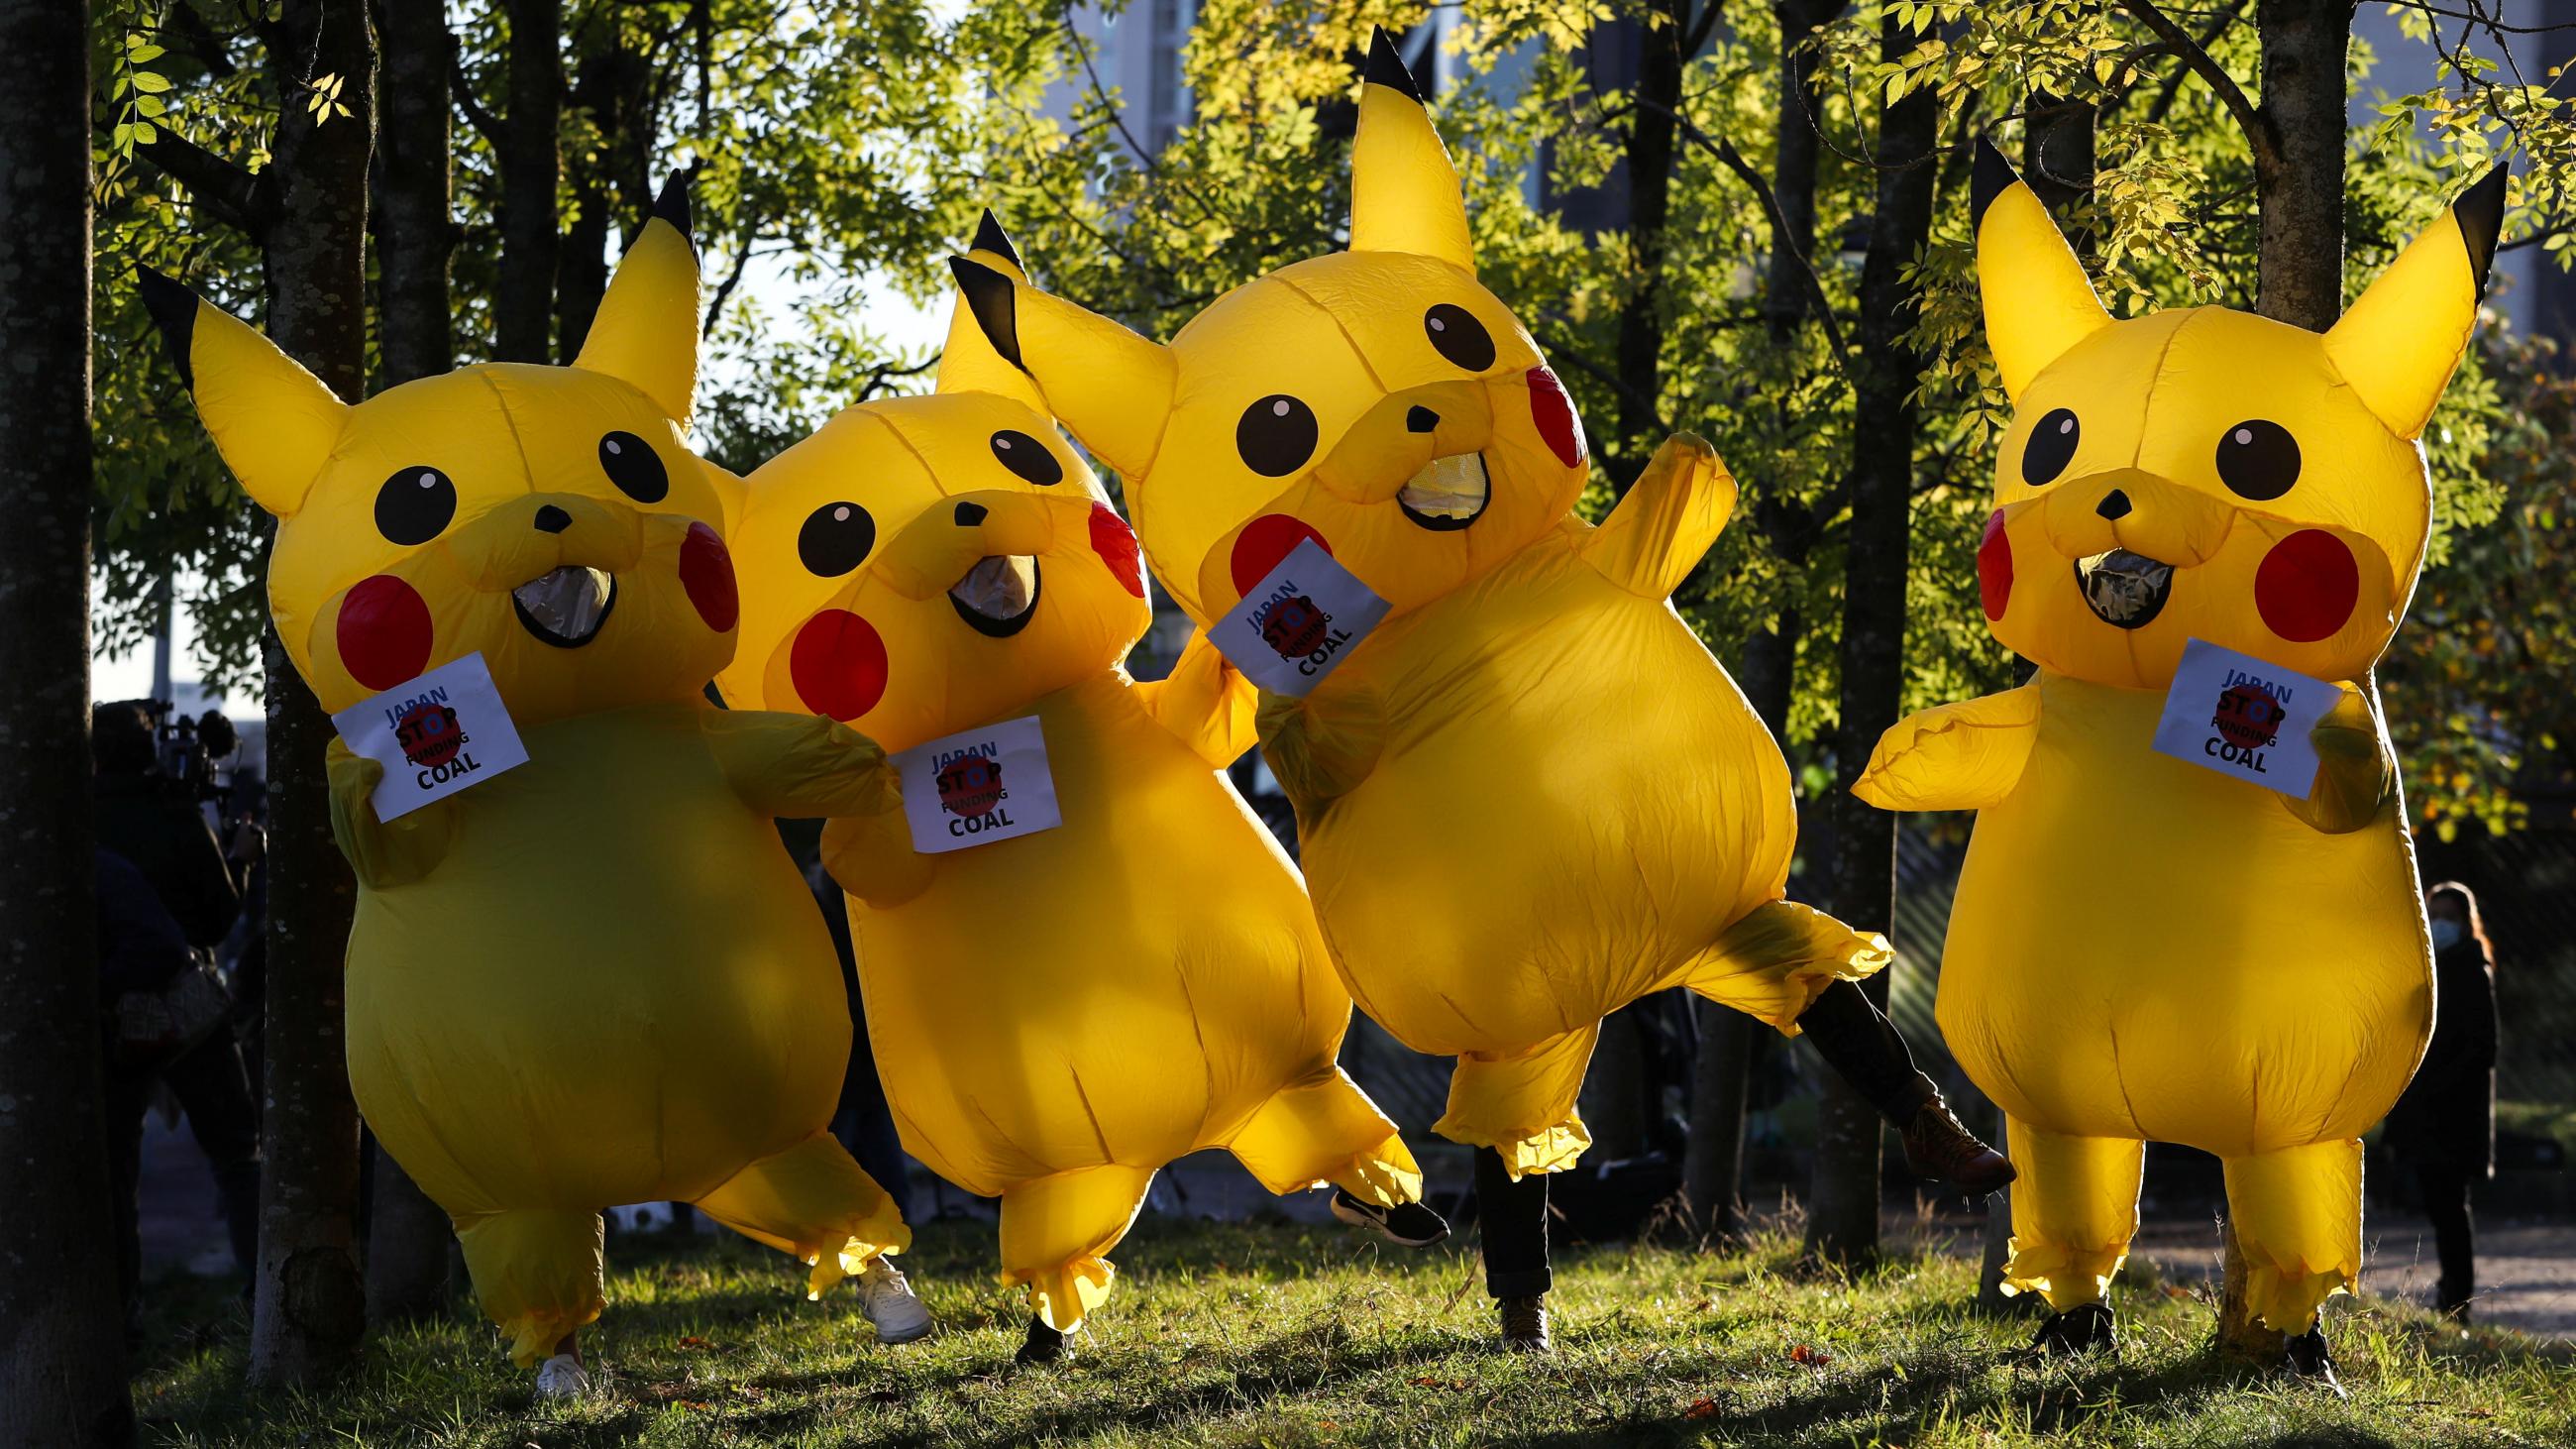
(969, 363)
(1404, 192)
(2404, 337)
(2038, 302)
(274, 423)
(1112, 388)
(646, 332)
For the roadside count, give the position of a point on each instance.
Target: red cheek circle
(1264, 542)
(1994, 567)
(2307, 586)
(838, 664)
(383, 632)
(1553, 411)
(706, 571)
(1115, 542)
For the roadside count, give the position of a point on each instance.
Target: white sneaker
(562, 1377)
(887, 1300)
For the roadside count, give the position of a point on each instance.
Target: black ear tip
(989, 237)
(1386, 65)
(1993, 177)
(672, 204)
(992, 300)
(2480, 211)
(173, 306)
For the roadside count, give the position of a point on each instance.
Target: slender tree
(62, 1348)
(526, 140)
(415, 231)
(1843, 1218)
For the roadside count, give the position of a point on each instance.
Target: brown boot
(1525, 1325)
(1939, 1147)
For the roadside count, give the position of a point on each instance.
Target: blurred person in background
(2443, 1129)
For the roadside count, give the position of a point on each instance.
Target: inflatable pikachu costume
(1056, 1015)
(2142, 949)
(597, 978)
(1531, 796)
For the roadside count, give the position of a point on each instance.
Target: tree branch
(2258, 132)
(485, 124)
(733, 279)
(229, 193)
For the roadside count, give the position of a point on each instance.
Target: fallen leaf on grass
(1426, 1381)
(1701, 1409)
(1810, 1355)
(693, 1342)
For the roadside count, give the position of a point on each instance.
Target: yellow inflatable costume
(2144, 950)
(597, 978)
(1058, 1014)
(1531, 796)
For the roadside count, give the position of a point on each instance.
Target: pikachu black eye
(1456, 335)
(415, 506)
(634, 467)
(2258, 460)
(2050, 448)
(836, 538)
(1276, 436)
(1027, 457)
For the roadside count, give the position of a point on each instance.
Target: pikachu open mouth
(2124, 590)
(565, 606)
(998, 596)
(1448, 494)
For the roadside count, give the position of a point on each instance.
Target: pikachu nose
(971, 514)
(551, 519)
(2114, 506)
(1420, 420)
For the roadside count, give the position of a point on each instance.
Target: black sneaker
(2083, 1329)
(1407, 1224)
(1043, 1346)
(1525, 1328)
(2307, 1357)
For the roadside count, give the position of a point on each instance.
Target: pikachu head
(924, 565)
(2202, 473)
(549, 518)
(1380, 401)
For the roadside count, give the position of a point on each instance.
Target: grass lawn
(1244, 1334)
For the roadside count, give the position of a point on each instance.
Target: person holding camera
(170, 1014)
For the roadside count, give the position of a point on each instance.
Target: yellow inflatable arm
(1964, 756)
(2356, 769)
(801, 765)
(1677, 508)
(383, 854)
(1206, 703)
(1320, 749)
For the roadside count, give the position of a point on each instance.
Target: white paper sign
(443, 732)
(2237, 715)
(978, 786)
(1299, 623)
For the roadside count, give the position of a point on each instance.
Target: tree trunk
(1650, 180)
(1793, 163)
(62, 1343)
(407, 1234)
(1843, 1219)
(613, 185)
(528, 154)
(2299, 175)
(310, 1310)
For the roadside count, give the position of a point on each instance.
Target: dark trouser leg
(1858, 1041)
(1512, 1217)
(2446, 1202)
(213, 1088)
(865, 1124)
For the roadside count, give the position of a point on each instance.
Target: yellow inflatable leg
(2074, 1210)
(812, 1200)
(1778, 957)
(536, 1273)
(1328, 1131)
(2297, 1215)
(1057, 1230)
(1522, 1104)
